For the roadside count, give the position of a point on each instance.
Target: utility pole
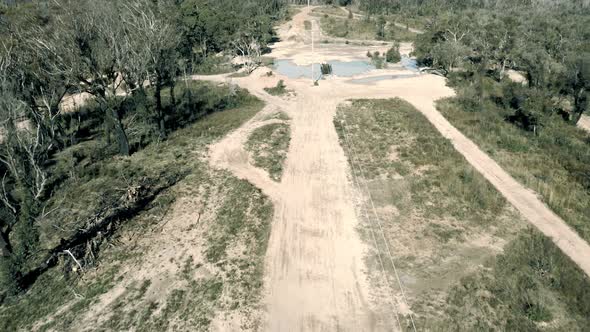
(312, 54)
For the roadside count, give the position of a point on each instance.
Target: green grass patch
(555, 163)
(391, 138)
(213, 65)
(50, 292)
(239, 74)
(94, 182)
(410, 21)
(95, 179)
(531, 283)
(278, 90)
(443, 202)
(269, 145)
(363, 29)
(330, 10)
(280, 115)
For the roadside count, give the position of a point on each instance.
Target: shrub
(392, 55)
(378, 61)
(326, 68)
(278, 90)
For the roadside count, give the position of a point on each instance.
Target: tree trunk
(107, 131)
(503, 69)
(113, 120)
(120, 132)
(173, 96)
(5, 248)
(55, 128)
(580, 104)
(159, 110)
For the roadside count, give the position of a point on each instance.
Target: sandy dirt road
(584, 123)
(316, 279)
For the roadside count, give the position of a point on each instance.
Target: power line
(399, 282)
(312, 53)
(389, 286)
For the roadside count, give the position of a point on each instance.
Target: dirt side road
(316, 279)
(584, 123)
(522, 198)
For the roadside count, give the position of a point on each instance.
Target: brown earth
(315, 276)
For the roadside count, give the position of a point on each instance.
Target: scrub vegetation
(268, 146)
(111, 217)
(101, 132)
(491, 270)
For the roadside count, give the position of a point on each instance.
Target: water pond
(339, 68)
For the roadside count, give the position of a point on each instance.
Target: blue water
(339, 68)
(410, 64)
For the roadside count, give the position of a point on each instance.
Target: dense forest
(129, 60)
(547, 41)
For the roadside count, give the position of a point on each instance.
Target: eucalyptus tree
(577, 83)
(43, 65)
(23, 154)
(97, 32)
(153, 45)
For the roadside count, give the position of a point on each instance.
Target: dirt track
(315, 275)
(584, 123)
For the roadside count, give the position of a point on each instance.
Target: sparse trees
(23, 153)
(100, 39)
(44, 63)
(153, 44)
(118, 52)
(249, 43)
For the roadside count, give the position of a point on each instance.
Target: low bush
(326, 69)
(278, 90)
(377, 60)
(393, 55)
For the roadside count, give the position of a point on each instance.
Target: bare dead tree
(152, 44)
(44, 64)
(98, 35)
(23, 153)
(249, 48)
(24, 150)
